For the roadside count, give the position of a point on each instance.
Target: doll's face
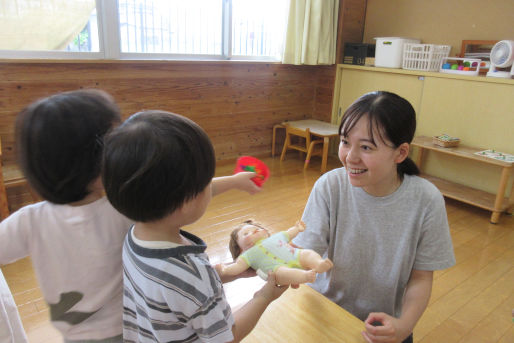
(249, 235)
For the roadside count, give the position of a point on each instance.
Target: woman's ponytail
(407, 167)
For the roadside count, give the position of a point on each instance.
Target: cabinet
(477, 109)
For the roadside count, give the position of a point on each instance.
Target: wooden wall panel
(350, 28)
(236, 103)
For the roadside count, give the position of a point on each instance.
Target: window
(144, 29)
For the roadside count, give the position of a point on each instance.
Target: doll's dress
(270, 253)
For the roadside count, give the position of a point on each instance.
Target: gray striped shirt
(173, 295)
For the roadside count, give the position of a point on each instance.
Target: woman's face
(369, 165)
(249, 235)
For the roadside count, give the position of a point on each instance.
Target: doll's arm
(235, 268)
(296, 229)
(241, 181)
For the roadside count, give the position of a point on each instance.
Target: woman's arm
(415, 301)
(241, 181)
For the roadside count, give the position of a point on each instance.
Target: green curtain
(311, 32)
(42, 24)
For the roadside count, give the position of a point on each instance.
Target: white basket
(389, 51)
(425, 57)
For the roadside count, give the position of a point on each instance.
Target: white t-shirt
(374, 242)
(76, 255)
(11, 329)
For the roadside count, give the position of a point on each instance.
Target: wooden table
(305, 316)
(496, 203)
(317, 128)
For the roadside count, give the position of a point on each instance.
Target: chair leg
(309, 154)
(273, 140)
(284, 149)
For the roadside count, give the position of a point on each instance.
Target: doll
(252, 246)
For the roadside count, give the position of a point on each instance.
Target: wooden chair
(304, 136)
(10, 176)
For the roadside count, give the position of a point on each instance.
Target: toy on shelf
(463, 66)
(478, 49)
(252, 164)
(497, 155)
(252, 246)
(446, 141)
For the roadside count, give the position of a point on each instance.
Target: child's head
(245, 235)
(390, 116)
(59, 142)
(154, 163)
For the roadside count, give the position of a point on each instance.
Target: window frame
(110, 45)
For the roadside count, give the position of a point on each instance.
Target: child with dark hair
(384, 228)
(157, 170)
(74, 237)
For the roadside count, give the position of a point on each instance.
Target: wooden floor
(471, 302)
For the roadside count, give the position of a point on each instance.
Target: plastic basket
(462, 66)
(445, 141)
(425, 57)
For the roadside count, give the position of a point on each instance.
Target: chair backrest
(305, 134)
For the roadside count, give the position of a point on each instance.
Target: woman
(384, 228)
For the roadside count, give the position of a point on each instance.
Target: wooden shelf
(496, 203)
(466, 194)
(461, 150)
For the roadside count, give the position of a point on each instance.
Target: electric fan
(502, 56)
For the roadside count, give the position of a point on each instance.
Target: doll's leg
(288, 276)
(309, 259)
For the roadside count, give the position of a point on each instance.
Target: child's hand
(271, 291)
(243, 181)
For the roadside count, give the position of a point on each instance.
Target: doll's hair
(234, 248)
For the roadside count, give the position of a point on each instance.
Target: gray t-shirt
(374, 242)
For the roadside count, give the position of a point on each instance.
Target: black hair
(59, 142)
(392, 116)
(154, 162)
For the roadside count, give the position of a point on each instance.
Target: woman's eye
(344, 141)
(366, 148)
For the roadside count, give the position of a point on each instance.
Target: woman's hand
(383, 328)
(271, 291)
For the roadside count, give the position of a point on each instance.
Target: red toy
(252, 164)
